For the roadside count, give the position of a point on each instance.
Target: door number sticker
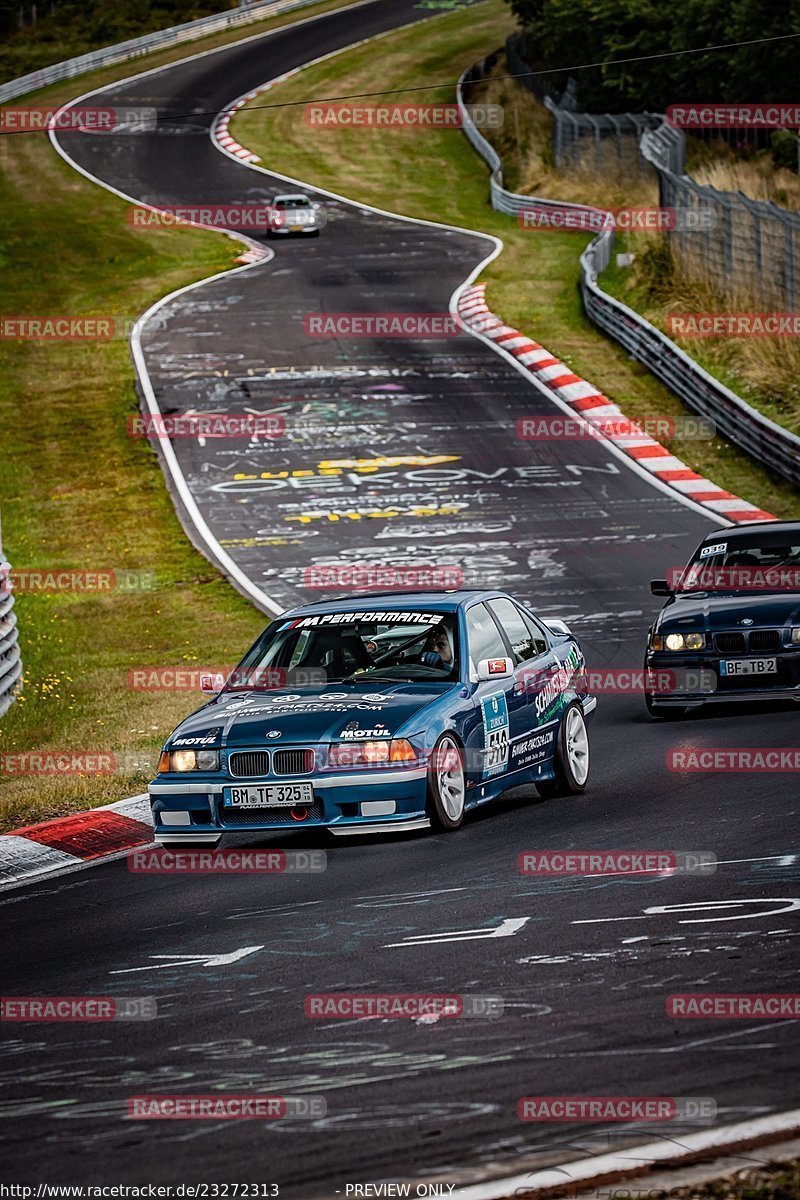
(495, 724)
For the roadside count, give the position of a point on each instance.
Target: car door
(488, 740)
(534, 664)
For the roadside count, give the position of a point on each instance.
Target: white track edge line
(635, 1158)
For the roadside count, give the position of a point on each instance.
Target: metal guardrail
(10, 662)
(135, 47)
(770, 444)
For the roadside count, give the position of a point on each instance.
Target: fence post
(10, 663)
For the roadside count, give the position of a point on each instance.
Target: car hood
(704, 610)
(344, 712)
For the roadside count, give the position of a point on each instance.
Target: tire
(571, 757)
(447, 787)
(665, 712)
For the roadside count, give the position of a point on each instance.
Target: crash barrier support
(135, 47)
(10, 662)
(765, 441)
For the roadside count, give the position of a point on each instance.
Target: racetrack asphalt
(566, 526)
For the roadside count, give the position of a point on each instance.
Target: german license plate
(748, 666)
(266, 795)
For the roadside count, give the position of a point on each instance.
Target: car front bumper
(711, 686)
(380, 800)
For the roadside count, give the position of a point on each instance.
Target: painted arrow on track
(192, 960)
(506, 928)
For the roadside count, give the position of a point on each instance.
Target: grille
(292, 762)
(730, 643)
(248, 764)
(274, 816)
(765, 639)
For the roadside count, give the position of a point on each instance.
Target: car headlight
(796, 636)
(679, 641)
(190, 760)
(370, 754)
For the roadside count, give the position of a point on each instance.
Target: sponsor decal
(496, 736)
(497, 666)
(352, 733)
(382, 618)
(532, 749)
(552, 694)
(210, 738)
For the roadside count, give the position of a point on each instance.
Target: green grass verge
(437, 175)
(77, 493)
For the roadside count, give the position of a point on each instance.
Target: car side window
(515, 628)
(483, 635)
(538, 636)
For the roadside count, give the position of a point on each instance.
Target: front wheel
(446, 784)
(571, 757)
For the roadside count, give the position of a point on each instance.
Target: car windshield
(353, 647)
(759, 563)
(291, 202)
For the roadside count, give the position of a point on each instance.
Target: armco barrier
(774, 447)
(10, 663)
(135, 47)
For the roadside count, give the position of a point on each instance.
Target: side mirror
(494, 668)
(660, 587)
(212, 685)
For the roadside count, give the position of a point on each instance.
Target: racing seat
(336, 653)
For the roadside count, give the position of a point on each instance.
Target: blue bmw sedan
(379, 712)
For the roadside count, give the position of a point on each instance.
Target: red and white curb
(596, 409)
(219, 130)
(68, 842)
